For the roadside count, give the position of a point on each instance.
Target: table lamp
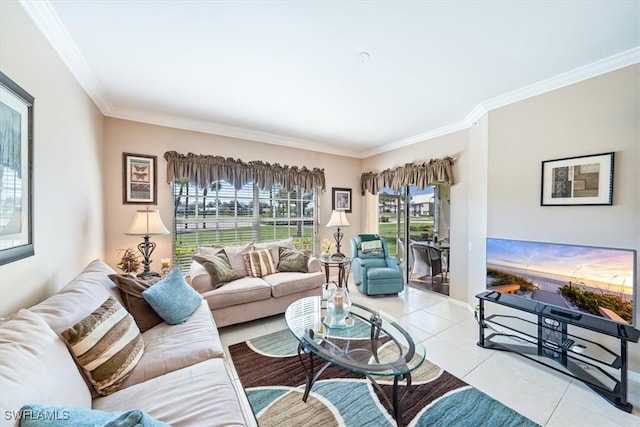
(147, 223)
(338, 219)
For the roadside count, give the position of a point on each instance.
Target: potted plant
(326, 247)
(130, 261)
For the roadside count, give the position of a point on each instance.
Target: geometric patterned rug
(274, 381)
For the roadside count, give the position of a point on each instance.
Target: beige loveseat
(248, 298)
(181, 378)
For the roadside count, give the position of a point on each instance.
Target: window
(219, 215)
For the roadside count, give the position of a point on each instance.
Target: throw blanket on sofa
(59, 416)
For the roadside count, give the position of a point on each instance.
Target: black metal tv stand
(559, 339)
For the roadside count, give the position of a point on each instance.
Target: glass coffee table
(372, 344)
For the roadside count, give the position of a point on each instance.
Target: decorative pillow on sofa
(131, 289)
(172, 298)
(293, 260)
(275, 247)
(234, 253)
(57, 416)
(107, 345)
(218, 267)
(259, 263)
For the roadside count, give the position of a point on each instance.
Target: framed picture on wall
(584, 180)
(139, 179)
(341, 199)
(16, 172)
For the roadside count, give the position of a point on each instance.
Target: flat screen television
(588, 279)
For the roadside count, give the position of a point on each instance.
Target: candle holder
(338, 306)
(165, 266)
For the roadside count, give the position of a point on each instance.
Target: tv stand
(556, 338)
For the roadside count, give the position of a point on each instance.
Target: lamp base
(147, 274)
(337, 256)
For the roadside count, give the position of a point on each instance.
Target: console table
(556, 339)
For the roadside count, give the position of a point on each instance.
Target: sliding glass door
(416, 216)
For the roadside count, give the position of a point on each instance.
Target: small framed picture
(584, 180)
(139, 179)
(341, 199)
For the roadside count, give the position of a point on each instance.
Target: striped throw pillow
(259, 263)
(107, 344)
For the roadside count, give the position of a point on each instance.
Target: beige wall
(67, 177)
(128, 136)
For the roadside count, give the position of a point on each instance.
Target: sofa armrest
(313, 265)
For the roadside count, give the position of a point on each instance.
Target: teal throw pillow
(60, 416)
(292, 260)
(172, 298)
(218, 267)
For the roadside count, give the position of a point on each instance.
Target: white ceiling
(290, 73)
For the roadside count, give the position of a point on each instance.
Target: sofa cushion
(292, 260)
(168, 348)
(172, 298)
(234, 253)
(36, 367)
(259, 263)
(239, 291)
(131, 289)
(218, 267)
(200, 395)
(274, 247)
(290, 283)
(57, 416)
(79, 297)
(107, 345)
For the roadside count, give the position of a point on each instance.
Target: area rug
(274, 380)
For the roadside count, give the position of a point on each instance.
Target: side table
(344, 269)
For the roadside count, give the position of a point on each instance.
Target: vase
(338, 306)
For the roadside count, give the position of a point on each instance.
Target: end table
(344, 269)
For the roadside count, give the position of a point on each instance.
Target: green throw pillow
(293, 261)
(218, 267)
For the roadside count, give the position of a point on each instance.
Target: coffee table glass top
(373, 344)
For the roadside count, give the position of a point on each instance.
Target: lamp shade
(338, 219)
(147, 223)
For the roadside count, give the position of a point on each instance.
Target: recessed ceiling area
(354, 78)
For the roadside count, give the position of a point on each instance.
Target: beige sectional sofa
(181, 378)
(248, 298)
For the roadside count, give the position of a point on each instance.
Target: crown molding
(230, 131)
(47, 21)
(603, 66)
(612, 63)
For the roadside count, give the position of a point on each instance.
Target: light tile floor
(449, 333)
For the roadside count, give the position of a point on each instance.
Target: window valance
(202, 170)
(437, 171)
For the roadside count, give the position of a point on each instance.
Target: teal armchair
(374, 271)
